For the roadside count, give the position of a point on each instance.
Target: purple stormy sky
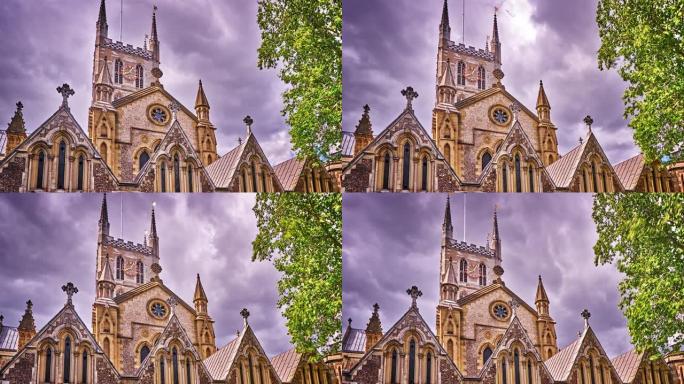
(47, 43)
(47, 240)
(391, 242)
(391, 44)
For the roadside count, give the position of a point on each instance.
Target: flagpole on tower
(463, 23)
(464, 216)
(121, 23)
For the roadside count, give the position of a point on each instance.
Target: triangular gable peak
(66, 320)
(118, 103)
(411, 324)
(175, 138)
(515, 337)
(245, 151)
(406, 124)
(566, 367)
(173, 335)
(226, 367)
(62, 124)
(151, 285)
(516, 138)
(491, 92)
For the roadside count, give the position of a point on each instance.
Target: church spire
(496, 43)
(444, 28)
(154, 40)
(495, 241)
(201, 104)
(543, 105)
(101, 25)
(373, 328)
(447, 227)
(363, 134)
(541, 294)
(153, 240)
(104, 217)
(27, 326)
(200, 298)
(16, 131)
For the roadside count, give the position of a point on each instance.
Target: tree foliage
(643, 234)
(644, 40)
(302, 235)
(304, 39)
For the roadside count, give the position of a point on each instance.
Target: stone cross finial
(174, 107)
(588, 121)
(20, 106)
(409, 94)
(248, 121)
(586, 315)
(415, 293)
(239, 140)
(376, 307)
(70, 290)
(1, 319)
(245, 314)
(581, 140)
(172, 302)
(366, 109)
(66, 91)
(349, 320)
(515, 108)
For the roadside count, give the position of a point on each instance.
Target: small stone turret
(373, 328)
(27, 326)
(16, 131)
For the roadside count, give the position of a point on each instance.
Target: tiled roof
(128, 245)
(220, 362)
(560, 364)
(629, 171)
(221, 171)
(348, 142)
(354, 340)
(285, 364)
(9, 338)
(562, 170)
(627, 365)
(288, 172)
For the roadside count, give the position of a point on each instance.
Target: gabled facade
(302, 176)
(295, 368)
(636, 175)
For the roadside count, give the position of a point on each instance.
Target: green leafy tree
(304, 39)
(644, 40)
(302, 235)
(643, 234)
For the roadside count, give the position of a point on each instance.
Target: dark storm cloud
(47, 240)
(46, 43)
(393, 241)
(391, 44)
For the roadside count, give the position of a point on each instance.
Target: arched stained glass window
(460, 73)
(67, 360)
(530, 175)
(529, 372)
(486, 354)
(483, 275)
(84, 367)
(118, 71)
(412, 362)
(251, 371)
(386, 171)
(244, 181)
(140, 273)
(518, 177)
(48, 365)
(142, 160)
(463, 271)
(81, 170)
(163, 177)
(428, 369)
(254, 177)
(393, 373)
(61, 165)
(447, 153)
(516, 366)
(584, 181)
(480, 77)
(264, 188)
(188, 372)
(424, 172)
(41, 170)
(315, 181)
(174, 366)
(504, 374)
(176, 174)
(190, 181)
(139, 76)
(486, 158)
(119, 268)
(261, 374)
(504, 177)
(311, 377)
(162, 371)
(406, 166)
(144, 351)
(594, 179)
(582, 373)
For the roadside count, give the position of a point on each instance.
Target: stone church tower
(546, 326)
